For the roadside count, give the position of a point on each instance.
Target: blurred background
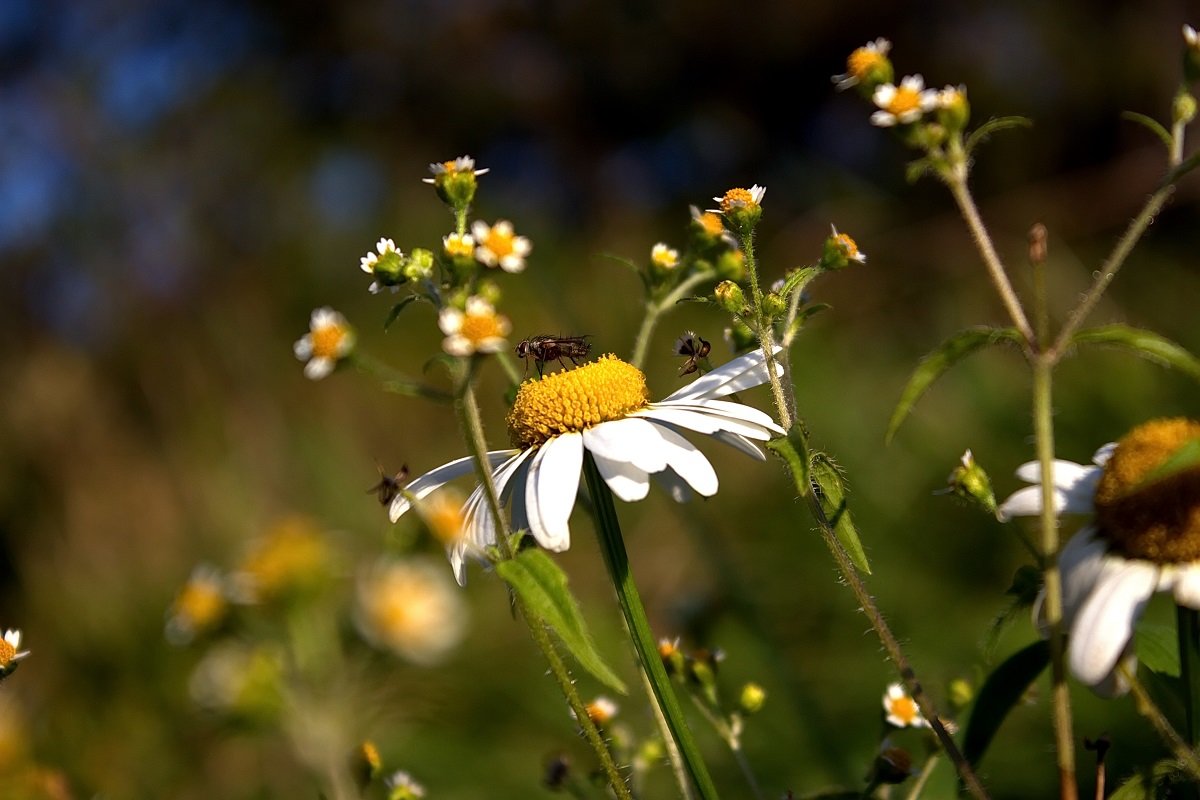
(181, 183)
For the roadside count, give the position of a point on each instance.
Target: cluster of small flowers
(870, 69)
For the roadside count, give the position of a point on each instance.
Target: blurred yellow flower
(292, 557)
(199, 607)
(329, 339)
(410, 608)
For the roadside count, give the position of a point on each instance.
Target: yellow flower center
(200, 603)
(711, 224)
(848, 245)
(904, 709)
(737, 198)
(327, 341)
(459, 246)
(862, 60)
(499, 242)
(478, 328)
(7, 653)
(904, 101)
(1158, 521)
(293, 556)
(573, 400)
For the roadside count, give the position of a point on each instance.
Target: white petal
(1080, 562)
(1101, 456)
(675, 486)
(1025, 502)
(1104, 624)
(702, 419)
(1075, 484)
(437, 478)
(1066, 473)
(303, 347)
(1114, 683)
(1185, 583)
(631, 439)
(481, 527)
(318, 368)
(740, 442)
(690, 463)
(550, 490)
(725, 378)
(624, 479)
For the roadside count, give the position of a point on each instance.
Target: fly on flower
(694, 348)
(389, 485)
(543, 348)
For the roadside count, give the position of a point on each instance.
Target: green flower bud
(419, 265)
(1184, 108)
(731, 265)
(961, 693)
(839, 251)
(773, 305)
(455, 181)
(753, 698)
(954, 111)
(730, 297)
(970, 482)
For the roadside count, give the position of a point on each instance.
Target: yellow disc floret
(905, 101)
(572, 400)
(1160, 520)
(327, 341)
(863, 60)
(7, 653)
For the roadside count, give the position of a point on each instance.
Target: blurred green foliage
(181, 184)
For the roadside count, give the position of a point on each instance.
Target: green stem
(656, 308)
(956, 181)
(1043, 426)
(923, 778)
(608, 530)
(472, 426)
(395, 381)
(1145, 705)
(1188, 626)
(730, 732)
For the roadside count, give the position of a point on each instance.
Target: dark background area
(181, 183)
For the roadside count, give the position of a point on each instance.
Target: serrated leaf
(1149, 345)
(945, 356)
(831, 492)
(1150, 124)
(1001, 691)
(1158, 648)
(396, 309)
(543, 586)
(993, 126)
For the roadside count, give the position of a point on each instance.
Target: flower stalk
(467, 409)
(608, 530)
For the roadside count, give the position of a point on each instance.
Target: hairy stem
(1146, 706)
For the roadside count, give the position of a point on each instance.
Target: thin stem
(469, 419)
(923, 778)
(394, 381)
(1146, 706)
(608, 530)
(730, 731)
(1043, 425)
(956, 181)
(677, 767)
(656, 308)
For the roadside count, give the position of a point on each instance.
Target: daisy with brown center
(11, 653)
(329, 339)
(1144, 537)
(900, 709)
(475, 329)
(900, 105)
(499, 246)
(602, 408)
(866, 63)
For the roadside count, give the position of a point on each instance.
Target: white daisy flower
(499, 246)
(446, 169)
(330, 339)
(477, 329)
(602, 408)
(901, 710)
(1144, 537)
(384, 264)
(10, 651)
(900, 105)
(870, 57)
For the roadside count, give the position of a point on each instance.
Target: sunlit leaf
(1001, 691)
(947, 354)
(1149, 345)
(831, 492)
(1153, 783)
(793, 451)
(543, 586)
(1150, 124)
(1158, 648)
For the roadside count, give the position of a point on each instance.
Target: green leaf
(1153, 783)
(793, 451)
(1148, 345)
(992, 126)
(947, 354)
(543, 586)
(831, 492)
(1001, 691)
(1150, 124)
(396, 309)
(1158, 648)
(915, 170)
(798, 279)
(1186, 457)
